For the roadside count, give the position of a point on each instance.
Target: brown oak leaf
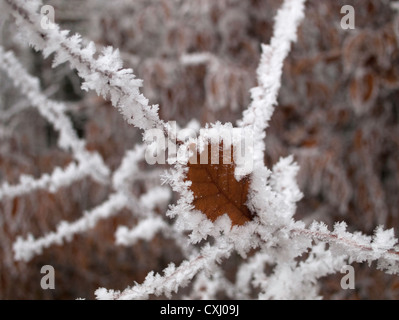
(216, 190)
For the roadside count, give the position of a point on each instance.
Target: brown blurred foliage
(338, 114)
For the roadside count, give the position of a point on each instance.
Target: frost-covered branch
(264, 96)
(292, 279)
(296, 280)
(151, 223)
(89, 163)
(128, 169)
(173, 278)
(26, 249)
(123, 177)
(381, 247)
(248, 271)
(51, 182)
(52, 111)
(144, 230)
(207, 286)
(103, 74)
(198, 58)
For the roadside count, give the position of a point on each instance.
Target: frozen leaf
(216, 190)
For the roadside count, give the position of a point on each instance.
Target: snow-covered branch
(264, 96)
(26, 249)
(103, 74)
(173, 277)
(52, 182)
(381, 247)
(151, 222)
(293, 280)
(89, 163)
(144, 230)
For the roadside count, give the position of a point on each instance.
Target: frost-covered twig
(248, 271)
(296, 280)
(264, 96)
(382, 247)
(51, 182)
(291, 279)
(89, 163)
(173, 278)
(207, 286)
(52, 111)
(151, 223)
(28, 248)
(103, 74)
(144, 230)
(198, 58)
(128, 169)
(123, 177)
